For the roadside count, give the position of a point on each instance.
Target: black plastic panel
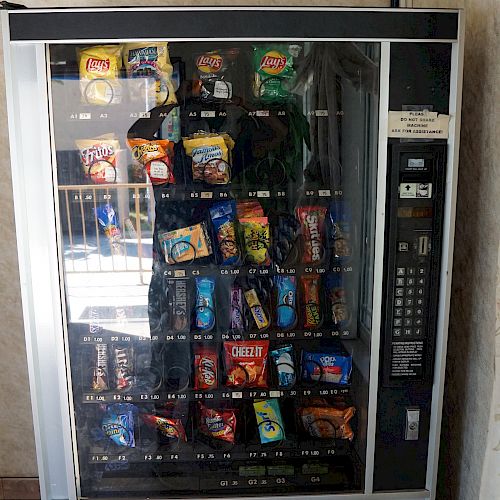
(215, 23)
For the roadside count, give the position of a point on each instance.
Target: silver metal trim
(457, 59)
(378, 273)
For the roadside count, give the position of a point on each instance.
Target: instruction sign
(418, 124)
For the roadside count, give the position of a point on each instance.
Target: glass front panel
(216, 225)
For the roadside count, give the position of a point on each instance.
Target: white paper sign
(418, 124)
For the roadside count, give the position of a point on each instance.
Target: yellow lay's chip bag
(99, 68)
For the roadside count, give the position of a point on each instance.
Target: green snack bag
(274, 71)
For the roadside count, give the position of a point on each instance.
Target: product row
(234, 364)
(259, 422)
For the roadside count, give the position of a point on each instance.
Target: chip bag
(218, 424)
(327, 422)
(151, 59)
(118, 424)
(98, 158)
(246, 363)
(256, 239)
(156, 157)
(170, 428)
(99, 70)
(223, 220)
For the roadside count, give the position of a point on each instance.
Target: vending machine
(235, 235)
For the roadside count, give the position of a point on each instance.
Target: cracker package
(151, 59)
(186, 244)
(246, 363)
(99, 68)
(156, 157)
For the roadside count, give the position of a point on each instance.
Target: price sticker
(207, 114)
(324, 192)
(237, 395)
(262, 112)
(263, 194)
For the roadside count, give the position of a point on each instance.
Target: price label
(237, 395)
(262, 112)
(207, 114)
(144, 114)
(324, 192)
(207, 195)
(179, 273)
(263, 194)
(321, 112)
(274, 394)
(85, 116)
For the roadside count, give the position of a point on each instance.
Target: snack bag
(339, 310)
(269, 421)
(332, 366)
(285, 366)
(249, 208)
(223, 219)
(213, 71)
(218, 424)
(256, 238)
(106, 216)
(98, 157)
(170, 428)
(151, 59)
(327, 422)
(99, 71)
(177, 295)
(205, 368)
(312, 221)
(273, 72)
(205, 307)
(237, 322)
(258, 312)
(311, 300)
(286, 293)
(210, 155)
(124, 368)
(101, 373)
(246, 363)
(118, 424)
(156, 157)
(186, 244)
(340, 216)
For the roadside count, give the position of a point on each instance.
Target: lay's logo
(273, 62)
(97, 65)
(209, 63)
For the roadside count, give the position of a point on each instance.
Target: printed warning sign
(418, 124)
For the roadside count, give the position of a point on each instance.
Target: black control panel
(413, 256)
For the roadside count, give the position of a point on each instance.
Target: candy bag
(156, 157)
(98, 158)
(170, 428)
(332, 366)
(311, 300)
(223, 219)
(285, 366)
(100, 380)
(118, 424)
(269, 421)
(124, 368)
(339, 310)
(256, 238)
(218, 424)
(249, 208)
(340, 216)
(237, 322)
(205, 368)
(246, 363)
(273, 72)
(286, 292)
(327, 422)
(99, 71)
(151, 59)
(258, 312)
(312, 221)
(205, 307)
(186, 244)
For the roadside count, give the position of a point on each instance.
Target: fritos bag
(156, 157)
(98, 157)
(99, 70)
(151, 59)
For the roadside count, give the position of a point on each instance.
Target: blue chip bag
(223, 218)
(118, 424)
(286, 295)
(205, 304)
(332, 366)
(285, 366)
(269, 422)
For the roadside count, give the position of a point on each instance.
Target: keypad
(409, 302)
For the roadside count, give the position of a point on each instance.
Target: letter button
(407, 331)
(398, 302)
(398, 321)
(418, 331)
(400, 282)
(408, 322)
(396, 332)
(398, 311)
(408, 311)
(399, 292)
(400, 271)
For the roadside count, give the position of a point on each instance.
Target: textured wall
(470, 369)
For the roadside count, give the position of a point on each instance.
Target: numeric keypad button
(421, 270)
(409, 302)
(411, 271)
(410, 291)
(410, 281)
(419, 311)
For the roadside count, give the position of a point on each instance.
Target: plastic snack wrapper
(286, 293)
(258, 312)
(211, 157)
(99, 158)
(205, 304)
(151, 59)
(177, 296)
(237, 321)
(213, 70)
(310, 300)
(273, 72)
(331, 366)
(341, 219)
(124, 368)
(257, 239)
(99, 68)
(312, 219)
(118, 424)
(106, 216)
(223, 219)
(156, 157)
(218, 424)
(246, 363)
(249, 208)
(269, 421)
(206, 373)
(100, 380)
(186, 244)
(285, 366)
(170, 428)
(339, 310)
(327, 422)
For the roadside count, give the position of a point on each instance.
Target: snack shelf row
(224, 394)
